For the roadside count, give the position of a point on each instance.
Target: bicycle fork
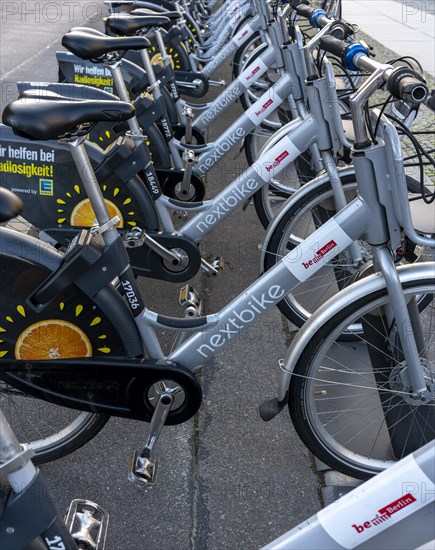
(409, 329)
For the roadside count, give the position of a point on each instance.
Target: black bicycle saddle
(88, 45)
(172, 15)
(43, 119)
(72, 92)
(128, 25)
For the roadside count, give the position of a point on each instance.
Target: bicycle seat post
(107, 225)
(15, 460)
(121, 89)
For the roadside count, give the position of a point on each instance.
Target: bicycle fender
(339, 302)
(307, 187)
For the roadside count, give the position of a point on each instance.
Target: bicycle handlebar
(319, 18)
(402, 83)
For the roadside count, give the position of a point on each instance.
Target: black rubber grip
(333, 45)
(304, 10)
(406, 84)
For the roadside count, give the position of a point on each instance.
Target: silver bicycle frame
(227, 51)
(365, 214)
(248, 77)
(300, 135)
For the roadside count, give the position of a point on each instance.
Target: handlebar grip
(304, 11)
(347, 52)
(406, 84)
(333, 45)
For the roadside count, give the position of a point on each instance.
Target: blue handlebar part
(314, 18)
(350, 53)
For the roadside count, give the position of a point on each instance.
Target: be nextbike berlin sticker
(30, 169)
(315, 251)
(276, 159)
(377, 504)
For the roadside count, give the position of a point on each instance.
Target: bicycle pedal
(87, 523)
(189, 297)
(142, 470)
(213, 266)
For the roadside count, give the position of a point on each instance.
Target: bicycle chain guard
(113, 386)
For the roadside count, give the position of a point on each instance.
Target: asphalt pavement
(406, 27)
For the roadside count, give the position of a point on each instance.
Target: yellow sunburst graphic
(82, 214)
(157, 57)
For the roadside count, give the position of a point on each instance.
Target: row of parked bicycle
(109, 166)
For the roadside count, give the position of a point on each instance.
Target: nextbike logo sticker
(227, 98)
(276, 159)
(377, 505)
(238, 318)
(46, 187)
(315, 252)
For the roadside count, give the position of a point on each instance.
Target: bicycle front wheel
(351, 404)
(302, 218)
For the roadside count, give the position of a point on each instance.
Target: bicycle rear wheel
(72, 325)
(350, 403)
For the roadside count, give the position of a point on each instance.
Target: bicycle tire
(72, 320)
(381, 425)
(306, 215)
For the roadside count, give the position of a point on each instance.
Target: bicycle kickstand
(143, 468)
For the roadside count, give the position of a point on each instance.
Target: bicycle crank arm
(192, 84)
(149, 263)
(143, 468)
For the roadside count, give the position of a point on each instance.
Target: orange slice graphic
(83, 214)
(52, 339)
